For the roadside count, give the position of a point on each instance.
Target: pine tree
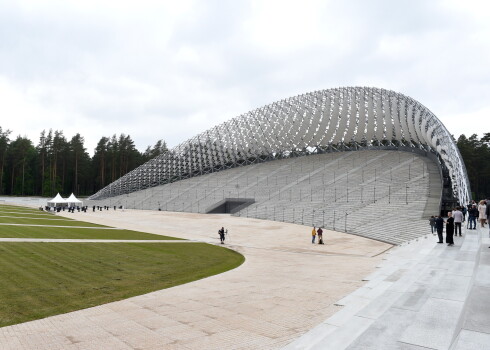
(4, 143)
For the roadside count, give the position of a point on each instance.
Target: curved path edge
(285, 287)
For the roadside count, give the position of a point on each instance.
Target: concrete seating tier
(384, 195)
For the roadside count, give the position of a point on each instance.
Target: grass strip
(41, 221)
(43, 279)
(74, 233)
(18, 207)
(15, 206)
(29, 214)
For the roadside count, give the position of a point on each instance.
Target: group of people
(223, 233)
(480, 213)
(318, 233)
(456, 217)
(70, 209)
(105, 207)
(73, 208)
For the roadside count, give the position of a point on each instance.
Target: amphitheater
(369, 166)
(349, 159)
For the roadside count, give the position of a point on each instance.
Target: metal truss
(347, 118)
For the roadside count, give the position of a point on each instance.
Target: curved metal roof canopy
(348, 118)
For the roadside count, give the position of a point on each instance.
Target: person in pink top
(482, 208)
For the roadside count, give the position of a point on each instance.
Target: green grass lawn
(33, 216)
(27, 214)
(19, 208)
(45, 221)
(45, 279)
(47, 231)
(74, 233)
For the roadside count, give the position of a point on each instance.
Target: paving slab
(477, 316)
(414, 298)
(469, 340)
(482, 277)
(452, 287)
(314, 336)
(344, 316)
(379, 305)
(485, 256)
(342, 337)
(411, 277)
(384, 333)
(463, 267)
(434, 325)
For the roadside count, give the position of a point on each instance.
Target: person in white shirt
(458, 219)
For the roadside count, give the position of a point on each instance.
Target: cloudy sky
(171, 69)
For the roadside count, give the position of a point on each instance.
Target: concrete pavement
(285, 287)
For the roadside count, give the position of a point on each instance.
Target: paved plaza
(352, 293)
(286, 287)
(423, 296)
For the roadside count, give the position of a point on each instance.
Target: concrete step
(423, 296)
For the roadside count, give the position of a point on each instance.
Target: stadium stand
(384, 195)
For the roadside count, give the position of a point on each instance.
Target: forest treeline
(476, 155)
(56, 164)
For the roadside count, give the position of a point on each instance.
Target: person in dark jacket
(472, 215)
(440, 228)
(432, 223)
(221, 233)
(450, 229)
(319, 232)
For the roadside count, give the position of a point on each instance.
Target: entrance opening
(230, 205)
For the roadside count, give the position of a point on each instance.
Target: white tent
(73, 201)
(57, 201)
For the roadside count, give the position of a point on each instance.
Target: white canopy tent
(57, 201)
(73, 201)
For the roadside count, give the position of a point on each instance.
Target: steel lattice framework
(347, 118)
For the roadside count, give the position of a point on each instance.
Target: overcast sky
(171, 69)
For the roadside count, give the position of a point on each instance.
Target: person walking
(458, 219)
(319, 232)
(313, 235)
(482, 209)
(450, 229)
(432, 223)
(440, 228)
(221, 233)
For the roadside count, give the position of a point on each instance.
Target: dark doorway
(230, 205)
